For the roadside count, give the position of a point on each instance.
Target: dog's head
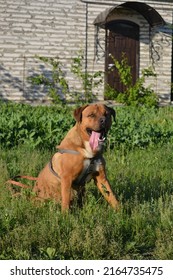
(95, 120)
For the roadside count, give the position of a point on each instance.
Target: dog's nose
(102, 121)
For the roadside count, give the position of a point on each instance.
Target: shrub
(89, 81)
(39, 127)
(44, 126)
(55, 83)
(134, 94)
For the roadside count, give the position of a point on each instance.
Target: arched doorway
(122, 37)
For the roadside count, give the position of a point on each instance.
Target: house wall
(58, 28)
(36, 27)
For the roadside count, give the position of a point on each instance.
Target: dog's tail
(12, 182)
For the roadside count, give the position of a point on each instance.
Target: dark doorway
(122, 37)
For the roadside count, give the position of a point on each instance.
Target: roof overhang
(149, 13)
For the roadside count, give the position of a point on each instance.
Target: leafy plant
(134, 94)
(49, 253)
(39, 127)
(89, 81)
(43, 127)
(56, 83)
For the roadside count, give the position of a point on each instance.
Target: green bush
(39, 127)
(44, 127)
(89, 81)
(56, 84)
(134, 94)
(142, 127)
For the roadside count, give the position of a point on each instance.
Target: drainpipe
(86, 35)
(86, 43)
(172, 64)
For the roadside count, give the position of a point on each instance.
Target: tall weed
(43, 127)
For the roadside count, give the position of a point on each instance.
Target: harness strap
(52, 170)
(85, 172)
(80, 181)
(66, 151)
(61, 151)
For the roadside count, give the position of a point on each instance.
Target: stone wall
(37, 27)
(54, 28)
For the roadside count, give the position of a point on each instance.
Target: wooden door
(122, 37)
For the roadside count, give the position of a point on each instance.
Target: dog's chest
(90, 167)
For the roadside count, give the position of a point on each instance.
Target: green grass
(142, 229)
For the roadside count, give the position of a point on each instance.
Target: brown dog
(79, 158)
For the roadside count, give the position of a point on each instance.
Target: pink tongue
(94, 140)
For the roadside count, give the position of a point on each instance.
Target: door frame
(137, 50)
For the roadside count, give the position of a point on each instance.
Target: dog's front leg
(103, 185)
(66, 194)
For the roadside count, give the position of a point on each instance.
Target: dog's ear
(78, 113)
(112, 112)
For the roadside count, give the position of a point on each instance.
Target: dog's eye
(92, 115)
(107, 114)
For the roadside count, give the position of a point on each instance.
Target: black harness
(85, 175)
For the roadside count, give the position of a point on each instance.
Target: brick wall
(36, 27)
(57, 28)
